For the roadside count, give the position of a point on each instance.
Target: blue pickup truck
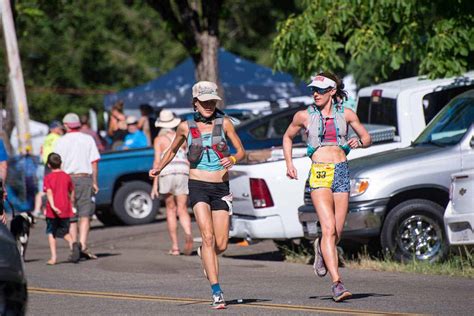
(124, 188)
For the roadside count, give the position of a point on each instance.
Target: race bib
(321, 175)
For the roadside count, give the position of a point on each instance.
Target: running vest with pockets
(206, 150)
(316, 130)
(179, 164)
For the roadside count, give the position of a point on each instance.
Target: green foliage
(377, 40)
(88, 45)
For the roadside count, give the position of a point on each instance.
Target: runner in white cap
(326, 124)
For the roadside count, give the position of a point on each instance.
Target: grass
(460, 262)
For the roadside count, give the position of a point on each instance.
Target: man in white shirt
(80, 155)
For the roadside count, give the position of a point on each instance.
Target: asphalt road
(135, 276)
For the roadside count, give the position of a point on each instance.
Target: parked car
(459, 214)
(13, 290)
(399, 196)
(406, 105)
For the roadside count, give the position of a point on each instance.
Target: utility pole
(15, 79)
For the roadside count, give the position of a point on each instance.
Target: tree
(377, 40)
(195, 24)
(74, 51)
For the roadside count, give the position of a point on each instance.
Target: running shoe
(339, 292)
(202, 265)
(218, 301)
(319, 266)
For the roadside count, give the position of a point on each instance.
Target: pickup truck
(124, 188)
(399, 197)
(266, 201)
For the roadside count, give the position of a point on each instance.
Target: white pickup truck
(266, 202)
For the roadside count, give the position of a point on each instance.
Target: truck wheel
(414, 228)
(133, 204)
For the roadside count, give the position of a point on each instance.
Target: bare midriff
(209, 176)
(332, 154)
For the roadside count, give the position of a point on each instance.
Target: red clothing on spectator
(60, 183)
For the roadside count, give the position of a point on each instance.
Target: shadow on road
(107, 254)
(264, 256)
(354, 296)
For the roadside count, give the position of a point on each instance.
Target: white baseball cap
(205, 91)
(72, 120)
(322, 82)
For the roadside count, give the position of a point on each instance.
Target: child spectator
(60, 194)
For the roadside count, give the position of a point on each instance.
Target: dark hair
(54, 161)
(84, 119)
(118, 106)
(341, 94)
(146, 109)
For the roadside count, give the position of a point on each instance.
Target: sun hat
(131, 120)
(322, 82)
(205, 91)
(72, 120)
(167, 119)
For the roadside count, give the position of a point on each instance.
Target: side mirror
(471, 143)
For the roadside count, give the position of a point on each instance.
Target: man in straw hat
(173, 182)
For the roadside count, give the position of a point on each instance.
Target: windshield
(383, 112)
(450, 125)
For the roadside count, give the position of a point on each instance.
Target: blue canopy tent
(243, 82)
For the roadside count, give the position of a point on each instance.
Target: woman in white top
(173, 182)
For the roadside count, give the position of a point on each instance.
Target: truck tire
(133, 204)
(415, 228)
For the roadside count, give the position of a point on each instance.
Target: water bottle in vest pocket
(221, 149)
(195, 153)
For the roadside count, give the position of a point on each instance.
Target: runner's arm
(169, 154)
(230, 132)
(296, 124)
(364, 136)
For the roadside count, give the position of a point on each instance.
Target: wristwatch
(361, 144)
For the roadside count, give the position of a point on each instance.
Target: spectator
(117, 129)
(3, 175)
(86, 129)
(56, 130)
(147, 123)
(135, 137)
(173, 183)
(80, 156)
(60, 192)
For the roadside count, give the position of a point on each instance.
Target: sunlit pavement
(135, 276)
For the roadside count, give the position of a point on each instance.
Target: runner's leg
(203, 216)
(341, 205)
(324, 204)
(220, 219)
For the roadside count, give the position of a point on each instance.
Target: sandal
(87, 254)
(50, 262)
(188, 248)
(174, 252)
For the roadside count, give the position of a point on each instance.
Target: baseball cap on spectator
(131, 120)
(55, 124)
(205, 91)
(72, 120)
(322, 82)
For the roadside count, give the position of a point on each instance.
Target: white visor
(322, 82)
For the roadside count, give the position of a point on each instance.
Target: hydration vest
(316, 125)
(218, 143)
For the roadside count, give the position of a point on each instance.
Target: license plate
(312, 228)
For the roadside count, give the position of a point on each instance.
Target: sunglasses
(320, 91)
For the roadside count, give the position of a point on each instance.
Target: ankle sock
(216, 288)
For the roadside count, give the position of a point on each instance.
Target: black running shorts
(217, 195)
